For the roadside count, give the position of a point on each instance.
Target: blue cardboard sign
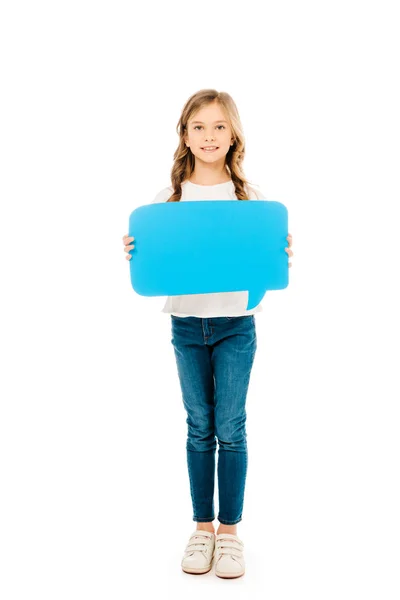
(207, 246)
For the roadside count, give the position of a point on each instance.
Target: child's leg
(235, 344)
(193, 359)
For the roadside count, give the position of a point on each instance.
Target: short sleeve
(163, 195)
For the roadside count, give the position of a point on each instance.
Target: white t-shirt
(221, 304)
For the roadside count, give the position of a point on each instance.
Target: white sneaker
(199, 552)
(228, 554)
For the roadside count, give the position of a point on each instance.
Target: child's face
(213, 130)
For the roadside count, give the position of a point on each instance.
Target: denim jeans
(214, 357)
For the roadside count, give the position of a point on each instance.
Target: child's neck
(207, 177)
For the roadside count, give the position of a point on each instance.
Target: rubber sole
(197, 571)
(229, 576)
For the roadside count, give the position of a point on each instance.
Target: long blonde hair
(184, 161)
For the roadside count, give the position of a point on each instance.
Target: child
(214, 339)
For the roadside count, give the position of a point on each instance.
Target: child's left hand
(290, 252)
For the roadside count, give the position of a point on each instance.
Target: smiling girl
(214, 339)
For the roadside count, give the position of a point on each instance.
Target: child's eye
(196, 126)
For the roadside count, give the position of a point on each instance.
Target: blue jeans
(214, 357)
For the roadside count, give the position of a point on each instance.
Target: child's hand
(290, 252)
(127, 240)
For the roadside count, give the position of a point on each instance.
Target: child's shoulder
(163, 195)
(255, 193)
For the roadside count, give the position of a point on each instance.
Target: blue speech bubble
(209, 246)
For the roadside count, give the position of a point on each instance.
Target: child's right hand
(127, 240)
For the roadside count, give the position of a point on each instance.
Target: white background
(95, 498)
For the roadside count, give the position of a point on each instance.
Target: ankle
(206, 526)
(227, 529)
